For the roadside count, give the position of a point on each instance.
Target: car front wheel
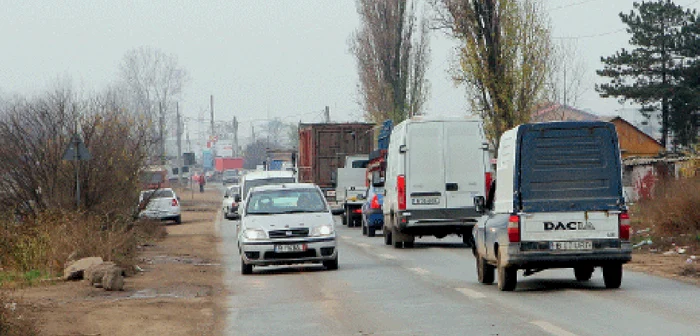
(331, 264)
(245, 268)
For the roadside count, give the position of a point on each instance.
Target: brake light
(488, 179)
(401, 191)
(514, 229)
(357, 211)
(624, 226)
(375, 202)
(174, 202)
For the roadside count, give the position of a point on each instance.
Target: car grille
(310, 253)
(291, 233)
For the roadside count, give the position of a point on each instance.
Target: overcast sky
(259, 59)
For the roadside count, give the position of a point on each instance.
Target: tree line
(509, 65)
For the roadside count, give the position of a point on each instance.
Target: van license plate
(290, 248)
(571, 245)
(425, 200)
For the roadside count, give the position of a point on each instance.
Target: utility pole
(161, 127)
(211, 107)
(235, 137)
(328, 114)
(179, 144)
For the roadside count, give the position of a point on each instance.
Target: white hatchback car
(286, 224)
(160, 204)
(232, 197)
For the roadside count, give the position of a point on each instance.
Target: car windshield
(156, 194)
(285, 201)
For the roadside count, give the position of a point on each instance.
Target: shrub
(673, 214)
(41, 247)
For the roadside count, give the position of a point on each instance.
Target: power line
(571, 5)
(588, 36)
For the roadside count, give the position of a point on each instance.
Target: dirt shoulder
(681, 267)
(179, 292)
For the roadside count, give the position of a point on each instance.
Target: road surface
(432, 290)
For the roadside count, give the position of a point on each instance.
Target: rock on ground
(76, 270)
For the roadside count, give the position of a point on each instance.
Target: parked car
(558, 203)
(286, 224)
(230, 176)
(232, 196)
(163, 204)
(372, 215)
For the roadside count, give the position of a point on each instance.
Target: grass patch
(672, 217)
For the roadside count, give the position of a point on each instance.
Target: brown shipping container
(323, 147)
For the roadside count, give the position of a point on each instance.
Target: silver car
(163, 204)
(286, 224)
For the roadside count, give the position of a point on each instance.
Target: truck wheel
(387, 236)
(583, 273)
(507, 277)
(370, 232)
(484, 271)
(395, 239)
(612, 275)
(364, 226)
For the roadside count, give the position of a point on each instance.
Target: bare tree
(153, 80)
(504, 57)
(391, 61)
(566, 76)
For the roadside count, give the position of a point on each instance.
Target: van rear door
(569, 182)
(464, 163)
(425, 167)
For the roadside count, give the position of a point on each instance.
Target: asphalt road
(432, 290)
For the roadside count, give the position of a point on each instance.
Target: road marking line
(363, 245)
(552, 329)
(471, 293)
(387, 256)
(419, 270)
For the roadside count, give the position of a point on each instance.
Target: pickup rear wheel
(395, 238)
(583, 273)
(612, 275)
(387, 236)
(484, 271)
(507, 277)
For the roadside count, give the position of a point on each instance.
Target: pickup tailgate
(569, 226)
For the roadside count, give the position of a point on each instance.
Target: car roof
(267, 174)
(163, 189)
(285, 186)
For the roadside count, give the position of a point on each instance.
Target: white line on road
(471, 293)
(552, 329)
(362, 245)
(387, 256)
(419, 270)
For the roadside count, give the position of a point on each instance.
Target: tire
(484, 271)
(371, 232)
(387, 236)
(178, 219)
(612, 275)
(507, 277)
(245, 268)
(331, 265)
(408, 244)
(583, 273)
(345, 218)
(364, 226)
(468, 239)
(394, 238)
(348, 217)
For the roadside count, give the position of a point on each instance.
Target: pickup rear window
(570, 168)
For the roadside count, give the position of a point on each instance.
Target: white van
(265, 177)
(435, 168)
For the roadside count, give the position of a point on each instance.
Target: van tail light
(624, 226)
(488, 178)
(514, 229)
(357, 211)
(401, 191)
(174, 202)
(375, 202)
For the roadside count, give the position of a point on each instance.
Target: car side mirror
(402, 149)
(479, 202)
(337, 211)
(485, 146)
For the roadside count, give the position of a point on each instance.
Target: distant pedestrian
(202, 182)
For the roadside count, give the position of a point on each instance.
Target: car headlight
(323, 230)
(254, 234)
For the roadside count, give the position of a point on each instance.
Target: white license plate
(425, 200)
(330, 193)
(571, 245)
(290, 248)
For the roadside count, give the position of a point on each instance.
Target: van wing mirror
(402, 149)
(485, 146)
(479, 202)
